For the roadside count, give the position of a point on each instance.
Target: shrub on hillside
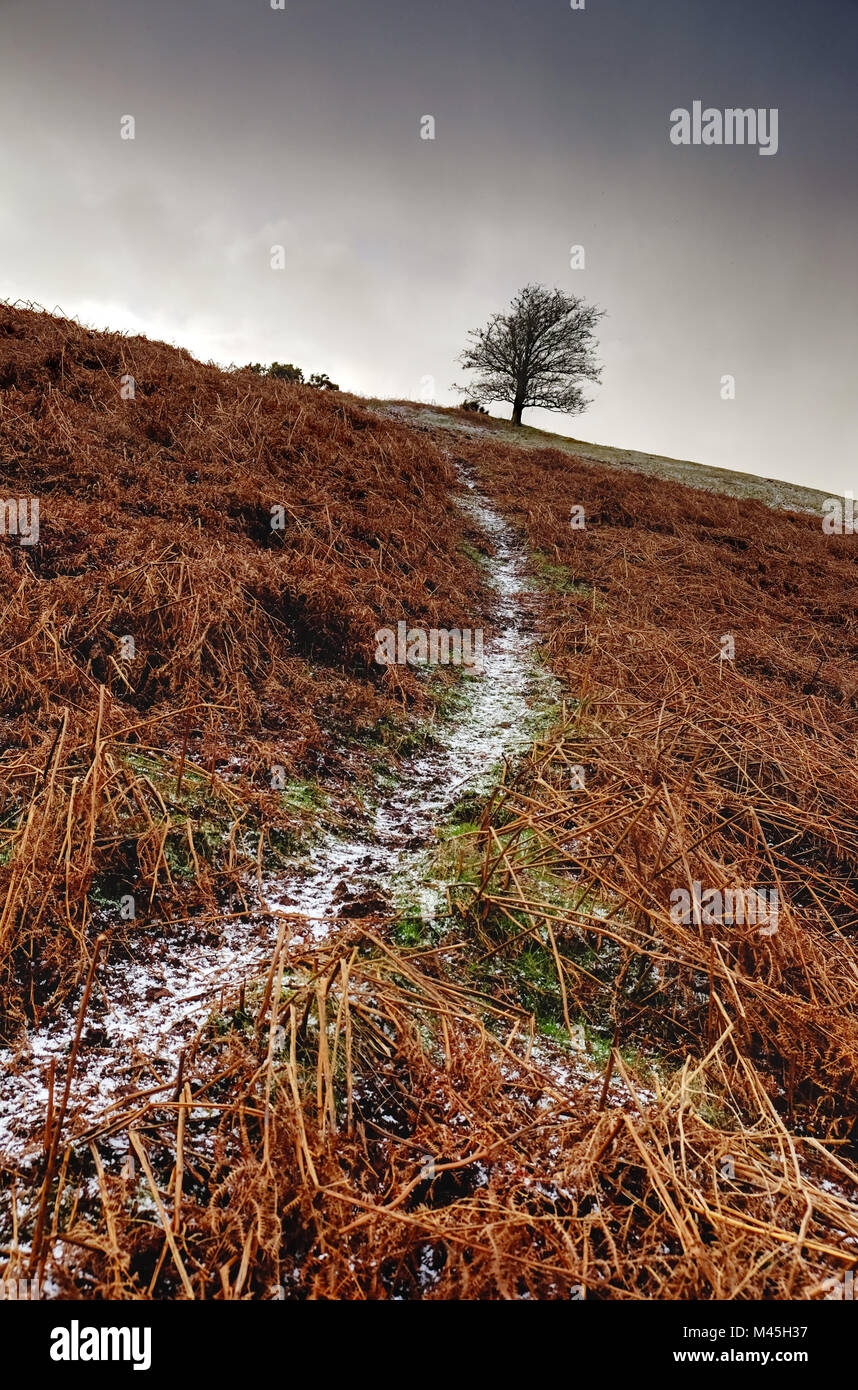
(287, 371)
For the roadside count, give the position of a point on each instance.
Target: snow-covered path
(150, 1007)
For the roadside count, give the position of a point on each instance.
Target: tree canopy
(536, 354)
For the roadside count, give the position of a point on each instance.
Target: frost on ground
(147, 1009)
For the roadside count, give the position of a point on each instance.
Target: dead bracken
(554, 1087)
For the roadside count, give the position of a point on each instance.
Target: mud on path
(148, 1006)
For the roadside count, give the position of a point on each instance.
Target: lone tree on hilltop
(536, 354)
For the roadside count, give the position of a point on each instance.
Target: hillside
(162, 620)
(728, 482)
(432, 985)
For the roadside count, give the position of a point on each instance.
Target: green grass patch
(556, 577)
(477, 557)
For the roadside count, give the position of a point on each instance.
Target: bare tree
(536, 354)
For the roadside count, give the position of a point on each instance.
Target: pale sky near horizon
(301, 127)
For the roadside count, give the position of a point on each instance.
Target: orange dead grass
(380, 1122)
(252, 646)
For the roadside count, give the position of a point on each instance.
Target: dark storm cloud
(301, 128)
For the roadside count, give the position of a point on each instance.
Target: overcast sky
(301, 127)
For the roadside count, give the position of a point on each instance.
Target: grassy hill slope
(773, 492)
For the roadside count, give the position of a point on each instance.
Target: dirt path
(151, 1006)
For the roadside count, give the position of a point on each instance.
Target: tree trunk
(518, 407)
